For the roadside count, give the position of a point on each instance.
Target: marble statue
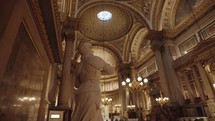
(88, 94)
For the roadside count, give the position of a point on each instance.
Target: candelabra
(162, 100)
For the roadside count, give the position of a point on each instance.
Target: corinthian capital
(155, 35)
(156, 38)
(70, 25)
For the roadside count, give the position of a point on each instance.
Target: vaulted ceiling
(122, 38)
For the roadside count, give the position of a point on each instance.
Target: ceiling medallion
(104, 15)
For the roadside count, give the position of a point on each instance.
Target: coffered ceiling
(94, 28)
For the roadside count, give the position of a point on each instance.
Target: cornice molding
(57, 16)
(39, 21)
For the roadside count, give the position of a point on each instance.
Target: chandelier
(136, 84)
(106, 100)
(162, 100)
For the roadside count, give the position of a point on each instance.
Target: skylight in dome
(104, 15)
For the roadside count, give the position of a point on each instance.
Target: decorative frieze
(37, 14)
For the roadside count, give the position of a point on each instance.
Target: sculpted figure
(88, 94)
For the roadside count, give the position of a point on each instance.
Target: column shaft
(53, 84)
(189, 89)
(66, 84)
(198, 85)
(162, 74)
(175, 89)
(207, 88)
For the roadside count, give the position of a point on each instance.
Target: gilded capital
(155, 35)
(156, 45)
(70, 25)
(156, 38)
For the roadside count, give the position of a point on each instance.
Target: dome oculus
(104, 15)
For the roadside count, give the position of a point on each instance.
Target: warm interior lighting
(214, 85)
(135, 84)
(128, 80)
(131, 106)
(123, 83)
(139, 78)
(145, 80)
(162, 100)
(27, 99)
(106, 100)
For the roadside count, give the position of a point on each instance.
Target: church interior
(163, 53)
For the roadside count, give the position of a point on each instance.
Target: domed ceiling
(91, 26)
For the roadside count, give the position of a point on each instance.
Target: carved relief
(188, 45)
(57, 15)
(188, 21)
(144, 6)
(136, 44)
(166, 13)
(209, 31)
(69, 28)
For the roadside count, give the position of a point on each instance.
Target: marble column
(172, 76)
(208, 90)
(156, 38)
(124, 70)
(198, 84)
(67, 85)
(206, 83)
(53, 85)
(121, 93)
(189, 89)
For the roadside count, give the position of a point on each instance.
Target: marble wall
(22, 82)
